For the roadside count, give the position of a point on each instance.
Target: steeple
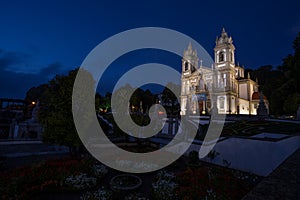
(190, 48)
(224, 38)
(224, 33)
(224, 50)
(190, 59)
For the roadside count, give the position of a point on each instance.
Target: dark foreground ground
(282, 183)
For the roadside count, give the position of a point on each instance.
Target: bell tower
(188, 78)
(189, 61)
(224, 51)
(225, 77)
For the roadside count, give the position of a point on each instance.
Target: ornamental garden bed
(125, 183)
(85, 178)
(250, 128)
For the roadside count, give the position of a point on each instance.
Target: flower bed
(164, 186)
(125, 182)
(53, 175)
(101, 194)
(72, 175)
(213, 183)
(80, 181)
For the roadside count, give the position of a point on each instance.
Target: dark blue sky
(42, 38)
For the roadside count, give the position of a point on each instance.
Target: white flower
(100, 170)
(80, 181)
(100, 194)
(164, 187)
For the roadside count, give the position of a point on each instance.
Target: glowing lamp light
(160, 112)
(33, 103)
(203, 112)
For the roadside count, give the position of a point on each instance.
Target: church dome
(256, 96)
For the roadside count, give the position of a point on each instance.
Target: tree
(103, 103)
(136, 98)
(296, 46)
(169, 97)
(291, 104)
(35, 93)
(56, 111)
(148, 100)
(281, 85)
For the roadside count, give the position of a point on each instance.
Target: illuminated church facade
(223, 86)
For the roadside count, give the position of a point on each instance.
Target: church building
(223, 85)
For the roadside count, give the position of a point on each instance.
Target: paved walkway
(284, 120)
(15, 149)
(12, 142)
(283, 183)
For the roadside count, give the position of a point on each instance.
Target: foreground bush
(53, 175)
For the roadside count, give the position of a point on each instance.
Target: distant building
(13, 122)
(234, 93)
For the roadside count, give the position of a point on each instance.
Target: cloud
(10, 60)
(51, 70)
(14, 83)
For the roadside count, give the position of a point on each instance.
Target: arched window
(201, 84)
(221, 56)
(224, 80)
(222, 102)
(186, 66)
(193, 68)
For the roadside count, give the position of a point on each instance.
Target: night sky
(42, 38)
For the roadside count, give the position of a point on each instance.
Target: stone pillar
(214, 110)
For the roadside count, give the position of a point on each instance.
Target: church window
(221, 56)
(222, 102)
(219, 81)
(186, 66)
(201, 83)
(224, 80)
(193, 69)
